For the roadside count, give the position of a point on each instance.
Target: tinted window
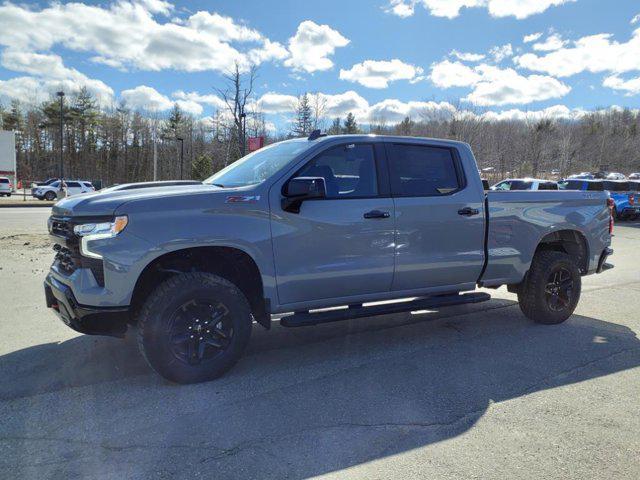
(571, 185)
(73, 184)
(595, 186)
(547, 186)
(634, 186)
(520, 185)
(616, 186)
(418, 170)
(4, 180)
(348, 171)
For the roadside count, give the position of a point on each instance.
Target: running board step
(305, 319)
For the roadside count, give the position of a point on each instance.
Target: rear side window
(547, 186)
(595, 186)
(418, 170)
(521, 185)
(73, 184)
(349, 171)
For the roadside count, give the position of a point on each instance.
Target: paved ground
(477, 392)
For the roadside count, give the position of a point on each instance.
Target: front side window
(502, 186)
(349, 171)
(418, 170)
(595, 186)
(547, 186)
(73, 184)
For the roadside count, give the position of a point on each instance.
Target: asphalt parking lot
(469, 392)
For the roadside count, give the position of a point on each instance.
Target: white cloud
(551, 43)
(556, 112)
(493, 85)
(630, 87)
(277, 103)
(156, 6)
(447, 74)
(125, 34)
(210, 99)
(392, 110)
(378, 74)
(635, 19)
(146, 98)
(500, 52)
(53, 75)
(519, 9)
(532, 37)
(466, 56)
(594, 53)
(312, 45)
(343, 103)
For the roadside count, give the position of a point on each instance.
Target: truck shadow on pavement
(311, 401)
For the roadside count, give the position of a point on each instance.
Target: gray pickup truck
(307, 224)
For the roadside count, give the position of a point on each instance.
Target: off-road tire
(532, 294)
(154, 323)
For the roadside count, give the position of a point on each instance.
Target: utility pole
(61, 95)
(155, 151)
(243, 131)
(181, 140)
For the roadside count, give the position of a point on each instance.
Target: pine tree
(304, 117)
(350, 125)
(201, 167)
(405, 127)
(336, 127)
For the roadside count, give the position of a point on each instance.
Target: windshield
(258, 166)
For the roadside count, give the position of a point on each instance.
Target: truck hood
(105, 204)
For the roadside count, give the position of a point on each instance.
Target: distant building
(8, 156)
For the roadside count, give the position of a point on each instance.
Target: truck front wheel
(194, 327)
(551, 291)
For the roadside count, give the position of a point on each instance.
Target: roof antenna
(316, 134)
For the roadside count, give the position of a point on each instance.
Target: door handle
(377, 214)
(468, 212)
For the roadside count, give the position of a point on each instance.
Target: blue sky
(381, 59)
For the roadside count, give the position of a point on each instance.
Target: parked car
(625, 206)
(525, 184)
(35, 185)
(616, 176)
(583, 185)
(634, 176)
(583, 176)
(309, 224)
(74, 187)
(5, 187)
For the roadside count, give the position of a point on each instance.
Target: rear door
(340, 246)
(73, 188)
(439, 218)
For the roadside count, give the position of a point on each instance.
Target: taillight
(611, 204)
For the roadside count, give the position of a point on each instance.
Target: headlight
(98, 231)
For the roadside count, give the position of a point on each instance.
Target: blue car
(623, 196)
(622, 192)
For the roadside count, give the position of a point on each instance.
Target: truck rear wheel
(551, 291)
(194, 327)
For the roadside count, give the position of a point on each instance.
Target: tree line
(116, 145)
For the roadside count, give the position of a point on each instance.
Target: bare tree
(236, 95)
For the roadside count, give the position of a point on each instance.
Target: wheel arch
(231, 263)
(569, 241)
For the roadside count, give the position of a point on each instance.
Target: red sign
(255, 143)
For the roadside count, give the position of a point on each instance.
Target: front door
(341, 246)
(439, 219)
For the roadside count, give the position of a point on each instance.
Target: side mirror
(299, 189)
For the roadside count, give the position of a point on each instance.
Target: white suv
(74, 187)
(5, 187)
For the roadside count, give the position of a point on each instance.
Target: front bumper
(110, 321)
(630, 212)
